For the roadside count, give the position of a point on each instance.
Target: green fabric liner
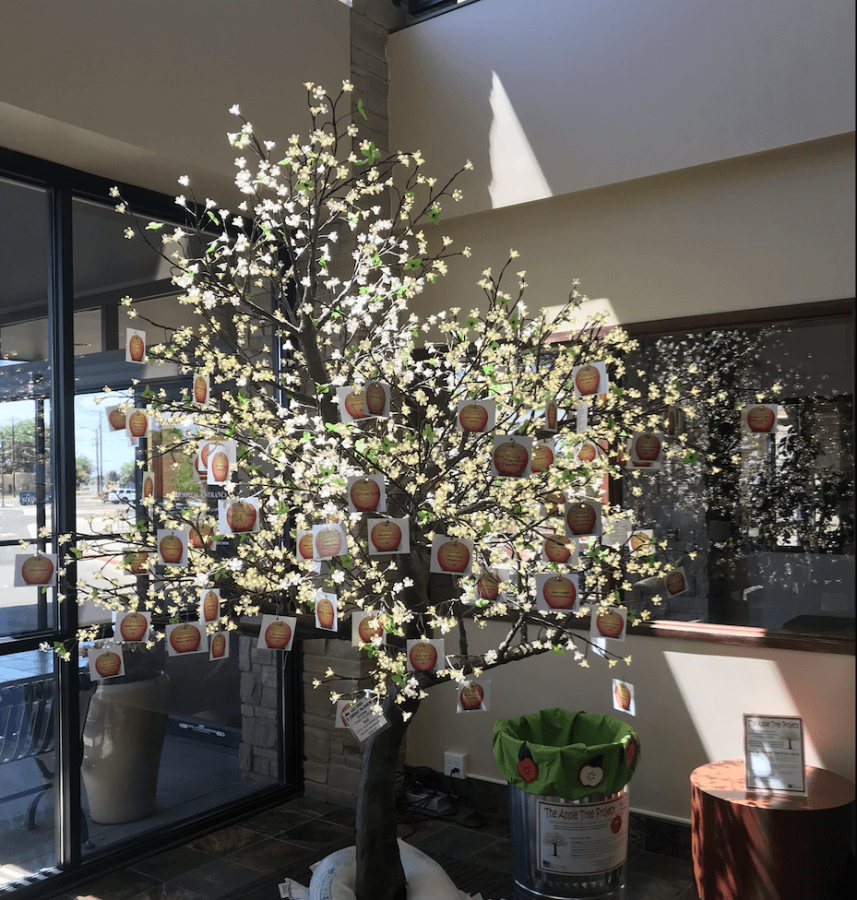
(560, 744)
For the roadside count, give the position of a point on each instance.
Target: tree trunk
(379, 867)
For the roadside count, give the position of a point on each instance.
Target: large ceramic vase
(122, 744)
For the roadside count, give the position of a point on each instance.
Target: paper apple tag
(276, 632)
(583, 518)
(116, 418)
(647, 447)
(209, 605)
(551, 420)
(582, 416)
(608, 622)
(352, 404)
(586, 452)
(642, 540)
(201, 389)
(220, 460)
(451, 556)
(172, 546)
(186, 638)
(511, 456)
(590, 380)
(106, 662)
(557, 592)
(366, 493)
(362, 721)
(376, 399)
(759, 418)
(148, 485)
(365, 625)
(424, 655)
(557, 548)
(388, 536)
(218, 647)
(135, 346)
(543, 455)
(137, 424)
(476, 416)
(38, 569)
(325, 612)
(527, 768)
(675, 582)
(329, 540)
(238, 516)
(474, 696)
(132, 626)
(623, 697)
(489, 586)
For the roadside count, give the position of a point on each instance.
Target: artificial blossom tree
(362, 435)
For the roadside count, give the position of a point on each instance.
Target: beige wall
(690, 701)
(551, 97)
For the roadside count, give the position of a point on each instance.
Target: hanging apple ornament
(591, 772)
(185, 638)
(305, 546)
(609, 623)
(201, 537)
(675, 583)
(511, 458)
(148, 486)
(325, 613)
(241, 516)
(622, 693)
(108, 664)
(557, 548)
(170, 548)
(386, 537)
(423, 656)
(453, 556)
(760, 419)
(355, 405)
(647, 447)
(138, 423)
(218, 645)
(542, 458)
(587, 380)
(136, 348)
(581, 518)
(527, 768)
(116, 419)
(136, 562)
(473, 417)
(210, 606)
(555, 501)
(133, 626)
(471, 696)
(559, 592)
(37, 570)
(203, 455)
(587, 452)
(366, 631)
(376, 398)
(550, 415)
(219, 467)
(328, 542)
(488, 586)
(200, 389)
(638, 539)
(277, 635)
(365, 494)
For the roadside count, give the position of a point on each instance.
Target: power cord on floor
(431, 786)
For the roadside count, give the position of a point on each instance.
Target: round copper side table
(754, 846)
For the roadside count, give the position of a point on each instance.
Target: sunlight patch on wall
(516, 176)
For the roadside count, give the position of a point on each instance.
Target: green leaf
(558, 649)
(77, 554)
(413, 263)
(154, 226)
(360, 108)
(434, 215)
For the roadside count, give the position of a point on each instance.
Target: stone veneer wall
(257, 753)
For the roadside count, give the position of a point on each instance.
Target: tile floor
(248, 860)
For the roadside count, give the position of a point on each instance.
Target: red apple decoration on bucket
(423, 656)
(116, 419)
(138, 423)
(170, 548)
(557, 548)
(200, 389)
(632, 751)
(471, 696)
(647, 447)
(488, 586)
(622, 693)
(386, 536)
(305, 546)
(185, 638)
(760, 419)
(136, 348)
(376, 398)
(675, 583)
(609, 623)
(587, 380)
(365, 494)
(453, 556)
(542, 458)
(210, 606)
(218, 645)
(527, 768)
(473, 417)
(559, 592)
(219, 467)
(277, 635)
(355, 405)
(325, 613)
(108, 664)
(511, 458)
(241, 516)
(616, 824)
(581, 518)
(37, 570)
(133, 626)
(328, 542)
(366, 631)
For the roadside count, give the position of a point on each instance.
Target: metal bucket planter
(568, 802)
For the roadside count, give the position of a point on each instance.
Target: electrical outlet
(455, 764)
